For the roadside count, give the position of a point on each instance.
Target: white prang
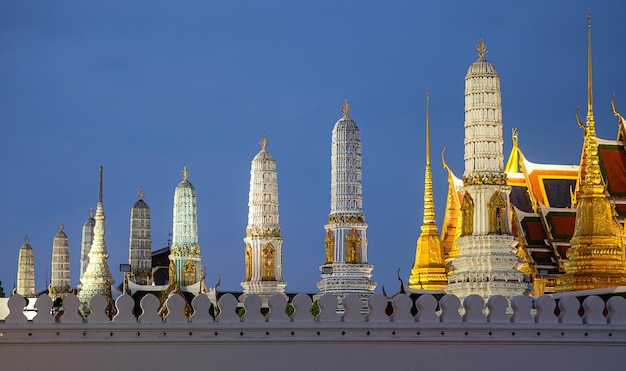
(263, 250)
(87, 240)
(140, 244)
(486, 264)
(60, 272)
(26, 271)
(185, 258)
(341, 275)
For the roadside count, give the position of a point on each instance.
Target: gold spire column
(429, 268)
(596, 255)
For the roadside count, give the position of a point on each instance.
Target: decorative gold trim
(353, 247)
(329, 244)
(467, 215)
(345, 108)
(248, 259)
(346, 218)
(262, 232)
(481, 48)
(268, 253)
(479, 178)
(496, 210)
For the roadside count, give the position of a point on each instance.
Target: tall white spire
(60, 283)
(263, 253)
(97, 278)
(140, 244)
(87, 240)
(486, 263)
(185, 258)
(346, 269)
(26, 270)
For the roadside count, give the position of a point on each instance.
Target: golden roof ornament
(263, 142)
(345, 108)
(185, 173)
(61, 227)
(140, 193)
(26, 240)
(512, 165)
(481, 48)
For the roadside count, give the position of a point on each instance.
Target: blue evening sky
(145, 87)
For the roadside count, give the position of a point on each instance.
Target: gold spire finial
(91, 212)
(481, 48)
(185, 173)
(345, 108)
(592, 184)
(590, 119)
(140, 193)
(26, 240)
(61, 226)
(429, 203)
(427, 127)
(263, 142)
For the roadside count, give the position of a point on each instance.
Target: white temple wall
(431, 340)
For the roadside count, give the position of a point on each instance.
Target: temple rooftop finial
(590, 118)
(26, 240)
(91, 212)
(140, 193)
(263, 142)
(345, 108)
(60, 226)
(185, 173)
(481, 48)
(427, 127)
(100, 188)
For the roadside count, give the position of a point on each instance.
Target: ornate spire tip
(60, 226)
(140, 193)
(263, 142)
(185, 173)
(345, 108)
(481, 48)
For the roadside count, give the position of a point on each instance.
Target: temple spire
(97, 277)
(590, 119)
(100, 188)
(429, 204)
(596, 253)
(263, 241)
(429, 269)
